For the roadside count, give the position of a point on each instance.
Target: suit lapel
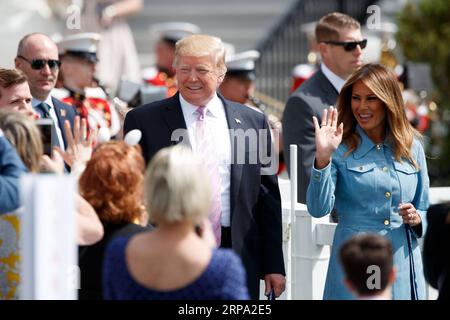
(174, 118)
(61, 115)
(234, 122)
(328, 87)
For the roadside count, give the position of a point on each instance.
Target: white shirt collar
(213, 107)
(49, 101)
(335, 80)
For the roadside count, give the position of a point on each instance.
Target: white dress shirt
(335, 80)
(52, 112)
(217, 129)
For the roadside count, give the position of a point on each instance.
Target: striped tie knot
(44, 110)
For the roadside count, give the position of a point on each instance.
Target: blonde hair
(24, 135)
(199, 45)
(176, 187)
(383, 83)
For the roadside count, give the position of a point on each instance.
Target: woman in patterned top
(177, 260)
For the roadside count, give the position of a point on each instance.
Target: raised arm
(320, 194)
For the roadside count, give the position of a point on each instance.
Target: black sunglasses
(349, 46)
(38, 64)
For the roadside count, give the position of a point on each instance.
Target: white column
(48, 247)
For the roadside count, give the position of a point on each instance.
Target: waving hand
(328, 136)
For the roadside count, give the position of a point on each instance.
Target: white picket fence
(307, 243)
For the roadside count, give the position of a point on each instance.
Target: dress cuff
(318, 174)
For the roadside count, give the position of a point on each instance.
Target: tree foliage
(424, 35)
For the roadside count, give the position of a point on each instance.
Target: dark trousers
(253, 285)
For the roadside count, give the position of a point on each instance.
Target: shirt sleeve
(11, 166)
(320, 195)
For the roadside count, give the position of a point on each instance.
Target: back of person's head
(11, 77)
(24, 135)
(329, 26)
(384, 84)
(176, 187)
(364, 256)
(113, 182)
(199, 45)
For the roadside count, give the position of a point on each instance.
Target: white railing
(307, 242)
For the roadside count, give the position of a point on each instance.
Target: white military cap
(230, 50)
(173, 31)
(242, 64)
(83, 45)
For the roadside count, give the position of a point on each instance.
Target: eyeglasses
(38, 64)
(350, 45)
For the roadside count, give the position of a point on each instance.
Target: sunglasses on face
(350, 45)
(40, 63)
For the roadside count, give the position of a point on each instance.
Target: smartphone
(47, 134)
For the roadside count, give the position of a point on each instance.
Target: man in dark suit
(37, 57)
(436, 257)
(250, 206)
(340, 45)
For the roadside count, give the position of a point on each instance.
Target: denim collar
(366, 144)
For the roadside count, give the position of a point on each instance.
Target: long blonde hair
(24, 135)
(383, 83)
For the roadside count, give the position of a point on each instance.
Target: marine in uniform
(163, 73)
(78, 86)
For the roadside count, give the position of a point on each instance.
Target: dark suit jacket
(310, 99)
(436, 253)
(256, 227)
(64, 112)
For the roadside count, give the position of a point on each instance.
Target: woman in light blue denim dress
(376, 179)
